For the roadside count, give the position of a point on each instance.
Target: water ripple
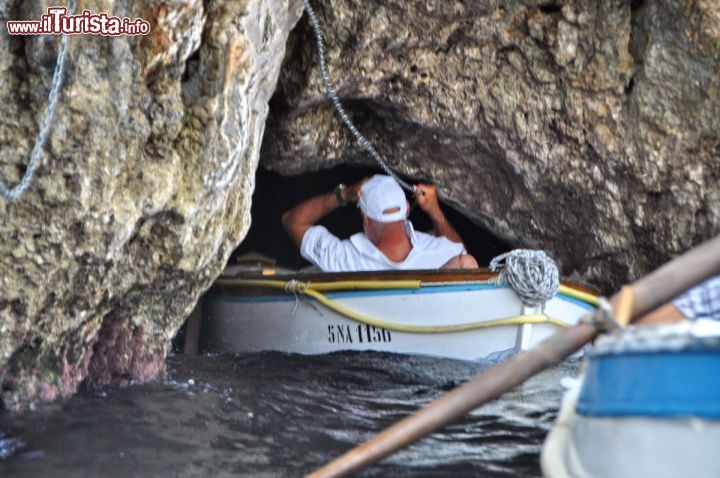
(278, 415)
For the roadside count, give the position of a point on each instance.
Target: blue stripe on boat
(581, 303)
(389, 292)
(366, 293)
(654, 384)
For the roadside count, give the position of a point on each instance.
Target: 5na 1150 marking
(349, 334)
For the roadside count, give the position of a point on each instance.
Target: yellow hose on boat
(326, 286)
(313, 290)
(432, 329)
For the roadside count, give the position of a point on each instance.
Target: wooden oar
(647, 293)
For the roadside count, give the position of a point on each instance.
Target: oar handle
(648, 293)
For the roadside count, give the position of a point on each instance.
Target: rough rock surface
(144, 187)
(588, 128)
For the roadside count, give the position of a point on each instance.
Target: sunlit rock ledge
(144, 188)
(589, 129)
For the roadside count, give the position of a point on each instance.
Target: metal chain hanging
(333, 96)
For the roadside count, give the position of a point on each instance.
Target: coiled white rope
(333, 96)
(14, 193)
(533, 275)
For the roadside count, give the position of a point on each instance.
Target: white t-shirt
(333, 254)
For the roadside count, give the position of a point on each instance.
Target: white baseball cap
(382, 199)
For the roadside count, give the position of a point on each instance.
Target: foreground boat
(455, 314)
(647, 405)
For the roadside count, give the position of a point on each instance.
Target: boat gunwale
(284, 296)
(434, 276)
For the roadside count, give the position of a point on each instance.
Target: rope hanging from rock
(14, 193)
(332, 95)
(533, 275)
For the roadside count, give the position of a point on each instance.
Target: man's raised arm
(426, 198)
(306, 214)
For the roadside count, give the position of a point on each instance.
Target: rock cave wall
(143, 189)
(588, 129)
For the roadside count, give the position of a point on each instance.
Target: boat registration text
(361, 333)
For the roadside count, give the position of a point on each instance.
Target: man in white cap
(388, 241)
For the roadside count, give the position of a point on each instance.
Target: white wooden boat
(456, 314)
(648, 404)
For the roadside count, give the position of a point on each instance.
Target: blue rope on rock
(14, 193)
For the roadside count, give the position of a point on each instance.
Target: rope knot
(296, 287)
(603, 318)
(533, 275)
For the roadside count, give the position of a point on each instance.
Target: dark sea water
(278, 415)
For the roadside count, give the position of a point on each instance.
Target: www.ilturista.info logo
(56, 21)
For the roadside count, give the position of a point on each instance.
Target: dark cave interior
(275, 193)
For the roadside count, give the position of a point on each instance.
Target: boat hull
(648, 404)
(253, 321)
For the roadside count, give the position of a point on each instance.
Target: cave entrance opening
(275, 194)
